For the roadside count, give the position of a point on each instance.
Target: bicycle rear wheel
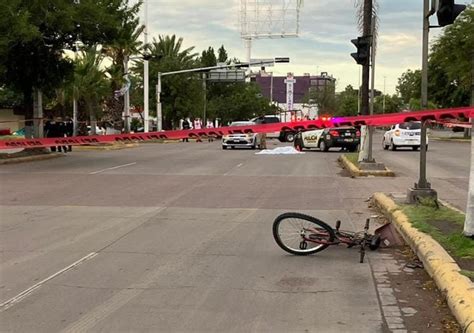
(301, 234)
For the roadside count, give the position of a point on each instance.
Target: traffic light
(448, 11)
(363, 50)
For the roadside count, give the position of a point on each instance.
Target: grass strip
(444, 225)
(353, 158)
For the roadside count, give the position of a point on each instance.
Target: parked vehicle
(268, 119)
(324, 139)
(249, 140)
(403, 135)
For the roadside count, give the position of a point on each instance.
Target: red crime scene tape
(374, 120)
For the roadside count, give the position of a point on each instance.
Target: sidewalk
(457, 288)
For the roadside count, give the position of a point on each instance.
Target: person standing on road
(61, 132)
(186, 125)
(210, 124)
(69, 130)
(198, 126)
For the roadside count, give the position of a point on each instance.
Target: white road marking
(112, 168)
(232, 169)
(5, 305)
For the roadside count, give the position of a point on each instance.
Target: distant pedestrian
(210, 124)
(56, 129)
(69, 130)
(186, 125)
(198, 126)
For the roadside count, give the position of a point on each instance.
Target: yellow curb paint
(457, 288)
(356, 172)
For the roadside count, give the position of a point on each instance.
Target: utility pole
(383, 103)
(367, 25)
(423, 187)
(159, 117)
(37, 113)
(146, 120)
(204, 88)
(469, 222)
(126, 99)
(370, 159)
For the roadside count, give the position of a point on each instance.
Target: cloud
(326, 28)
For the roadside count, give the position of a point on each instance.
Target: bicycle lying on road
(302, 234)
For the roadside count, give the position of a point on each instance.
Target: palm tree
(182, 94)
(89, 87)
(125, 44)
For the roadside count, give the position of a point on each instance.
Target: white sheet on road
(288, 150)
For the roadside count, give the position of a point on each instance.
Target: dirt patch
(415, 289)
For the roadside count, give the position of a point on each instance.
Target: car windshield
(242, 123)
(410, 126)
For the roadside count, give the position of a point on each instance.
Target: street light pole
(423, 187)
(159, 118)
(126, 106)
(146, 88)
(383, 104)
(204, 87)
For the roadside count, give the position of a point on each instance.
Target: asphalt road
(177, 237)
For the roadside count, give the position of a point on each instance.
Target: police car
(324, 139)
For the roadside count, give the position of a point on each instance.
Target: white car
(403, 135)
(250, 140)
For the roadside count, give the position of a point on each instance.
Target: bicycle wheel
(301, 234)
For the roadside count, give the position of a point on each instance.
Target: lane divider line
(112, 168)
(25, 293)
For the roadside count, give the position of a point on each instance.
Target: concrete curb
(451, 140)
(356, 172)
(23, 159)
(457, 288)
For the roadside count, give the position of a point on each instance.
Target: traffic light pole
(423, 187)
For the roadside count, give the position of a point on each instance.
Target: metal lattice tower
(268, 19)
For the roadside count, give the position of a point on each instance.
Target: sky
(323, 44)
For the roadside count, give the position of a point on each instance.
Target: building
(278, 89)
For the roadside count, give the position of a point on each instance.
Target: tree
(31, 53)
(89, 87)
(124, 44)
(323, 97)
(450, 62)
(208, 58)
(181, 94)
(409, 85)
(393, 104)
(222, 54)
(239, 101)
(346, 102)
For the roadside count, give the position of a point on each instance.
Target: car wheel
(224, 147)
(289, 137)
(232, 147)
(415, 147)
(323, 146)
(384, 146)
(392, 146)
